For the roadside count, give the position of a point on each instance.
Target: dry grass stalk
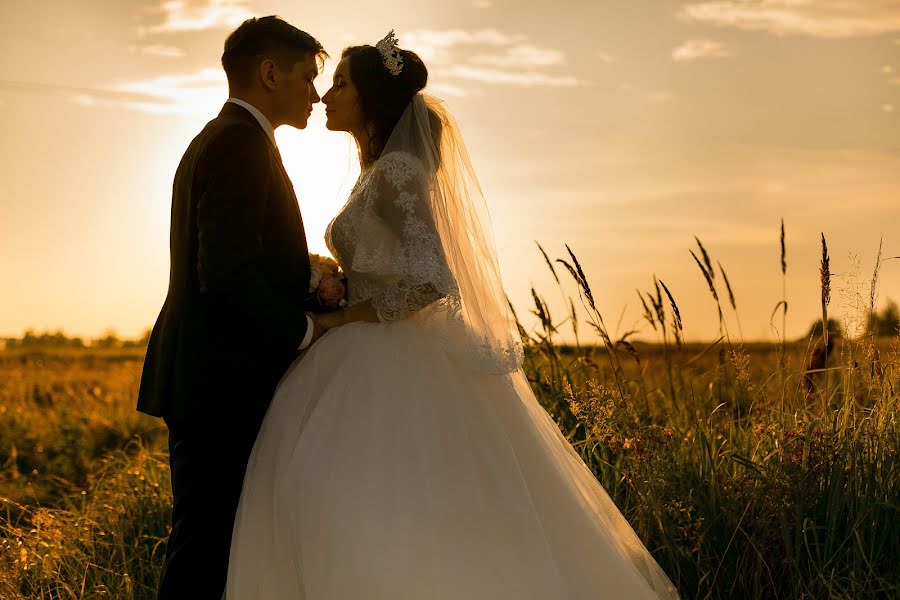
(783, 251)
(706, 260)
(573, 315)
(825, 277)
(727, 286)
(647, 314)
(632, 351)
(549, 263)
(582, 278)
(708, 276)
(873, 293)
(679, 326)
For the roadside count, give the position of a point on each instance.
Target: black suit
(230, 326)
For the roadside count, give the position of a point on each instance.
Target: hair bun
(414, 73)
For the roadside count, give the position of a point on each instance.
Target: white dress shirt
(270, 131)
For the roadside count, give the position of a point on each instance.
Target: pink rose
(332, 291)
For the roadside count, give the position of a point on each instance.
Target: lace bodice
(386, 242)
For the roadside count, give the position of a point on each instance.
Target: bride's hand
(364, 311)
(331, 320)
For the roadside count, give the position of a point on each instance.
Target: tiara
(389, 53)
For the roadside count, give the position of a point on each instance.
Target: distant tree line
(883, 323)
(32, 340)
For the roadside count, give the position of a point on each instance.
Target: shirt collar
(263, 121)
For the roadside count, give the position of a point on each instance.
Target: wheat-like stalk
(874, 291)
(647, 314)
(782, 355)
(584, 281)
(706, 275)
(549, 262)
(825, 275)
(673, 304)
(727, 286)
(705, 258)
(825, 279)
(679, 327)
(783, 251)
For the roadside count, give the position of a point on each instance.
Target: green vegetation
(749, 470)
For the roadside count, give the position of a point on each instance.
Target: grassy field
(749, 470)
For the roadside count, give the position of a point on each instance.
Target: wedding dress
(409, 459)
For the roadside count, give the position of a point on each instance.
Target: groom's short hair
(266, 37)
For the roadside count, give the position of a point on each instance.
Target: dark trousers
(208, 466)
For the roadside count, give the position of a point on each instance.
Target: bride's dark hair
(383, 96)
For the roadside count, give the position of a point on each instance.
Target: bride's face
(342, 107)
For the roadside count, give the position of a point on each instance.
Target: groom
(235, 315)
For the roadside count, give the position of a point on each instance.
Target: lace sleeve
(404, 207)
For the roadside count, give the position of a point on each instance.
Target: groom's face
(296, 93)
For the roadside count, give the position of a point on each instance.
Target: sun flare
(322, 165)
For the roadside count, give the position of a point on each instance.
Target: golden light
(323, 167)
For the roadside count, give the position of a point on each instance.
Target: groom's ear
(268, 74)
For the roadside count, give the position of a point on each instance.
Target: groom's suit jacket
(239, 275)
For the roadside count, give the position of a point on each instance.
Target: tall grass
(84, 504)
(741, 483)
(742, 488)
(106, 542)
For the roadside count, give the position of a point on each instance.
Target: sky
(622, 129)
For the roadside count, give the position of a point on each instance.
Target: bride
(404, 456)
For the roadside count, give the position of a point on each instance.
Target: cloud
(190, 15)
(500, 76)
(487, 56)
(157, 51)
(184, 94)
(521, 56)
(448, 90)
(482, 4)
(887, 108)
(699, 49)
(820, 18)
(83, 95)
(605, 57)
(85, 99)
(435, 46)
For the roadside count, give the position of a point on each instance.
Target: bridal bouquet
(326, 282)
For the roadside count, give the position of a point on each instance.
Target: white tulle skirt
(385, 471)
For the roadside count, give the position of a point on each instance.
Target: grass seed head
(674, 306)
(825, 274)
(647, 314)
(582, 278)
(727, 286)
(783, 251)
(706, 260)
(707, 276)
(873, 292)
(549, 263)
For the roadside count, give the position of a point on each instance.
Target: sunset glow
(620, 129)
